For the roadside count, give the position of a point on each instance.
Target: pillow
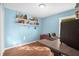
(44, 36)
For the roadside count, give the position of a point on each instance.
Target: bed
(32, 49)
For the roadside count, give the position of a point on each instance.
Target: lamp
(42, 5)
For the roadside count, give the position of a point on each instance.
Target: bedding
(33, 49)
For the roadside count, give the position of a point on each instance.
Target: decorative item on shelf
(19, 18)
(34, 21)
(26, 21)
(23, 19)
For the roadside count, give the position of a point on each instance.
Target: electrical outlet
(24, 37)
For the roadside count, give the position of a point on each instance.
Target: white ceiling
(34, 10)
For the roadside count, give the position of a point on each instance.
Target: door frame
(2, 27)
(62, 18)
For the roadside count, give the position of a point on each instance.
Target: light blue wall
(14, 32)
(51, 23)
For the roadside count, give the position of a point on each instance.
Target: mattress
(33, 49)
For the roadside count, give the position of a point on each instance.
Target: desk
(60, 49)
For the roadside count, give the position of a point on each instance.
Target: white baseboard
(15, 46)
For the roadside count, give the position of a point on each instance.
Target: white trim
(59, 27)
(60, 19)
(73, 16)
(20, 45)
(2, 27)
